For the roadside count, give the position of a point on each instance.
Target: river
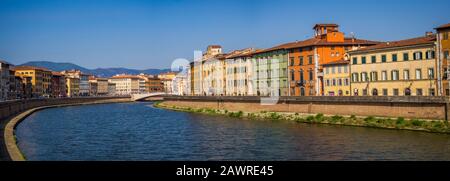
(138, 131)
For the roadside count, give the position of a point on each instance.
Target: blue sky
(151, 34)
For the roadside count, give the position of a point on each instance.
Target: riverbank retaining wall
(10, 108)
(386, 106)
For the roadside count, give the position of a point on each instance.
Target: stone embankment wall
(9, 108)
(383, 106)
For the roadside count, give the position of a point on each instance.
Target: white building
(128, 84)
(239, 73)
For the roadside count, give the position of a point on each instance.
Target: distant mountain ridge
(100, 72)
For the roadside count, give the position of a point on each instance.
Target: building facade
(398, 68)
(336, 77)
(239, 73)
(307, 57)
(5, 76)
(58, 85)
(40, 79)
(270, 71)
(128, 84)
(72, 87)
(443, 57)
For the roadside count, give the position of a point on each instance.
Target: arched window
(355, 92)
(374, 92)
(407, 92)
(302, 91)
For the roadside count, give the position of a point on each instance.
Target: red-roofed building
(396, 68)
(307, 57)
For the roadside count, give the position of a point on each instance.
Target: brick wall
(407, 106)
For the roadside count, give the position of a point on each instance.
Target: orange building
(307, 57)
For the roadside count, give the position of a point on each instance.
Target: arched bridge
(138, 97)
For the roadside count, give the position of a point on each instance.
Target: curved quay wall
(13, 112)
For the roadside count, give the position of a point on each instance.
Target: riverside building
(336, 77)
(397, 68)
(443, 56)
(40, 79)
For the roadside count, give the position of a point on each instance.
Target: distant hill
(100, 72)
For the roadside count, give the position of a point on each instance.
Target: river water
(138, 131)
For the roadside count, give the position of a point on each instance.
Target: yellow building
(40, 79)
(72, 86)
(336, 76)
(397, 68)
(443, 56)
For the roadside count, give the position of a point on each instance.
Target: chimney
(428, 33)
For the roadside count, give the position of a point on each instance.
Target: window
(310, 59)
(364, 92)
(301, 76)
(405, 56)
(292, 75)
(383, 58)
(446, 55)
(345, 69)
(339, 69)
(419, 92)
(355, 60)
(385, 92)
(445, 35)
(328, 82)
(311, 74)
(417, 55)
(374, 59)
(327, 70)
(431, 92)
(394, 75)
(363, 60)
(373, 76)
(406, 74)
(375, 92)
(292, 61)
(395, 92)
(394, 57)
(301, 60)
(332, 47)
(364, 77)
(383, 75)
(429, 54)
(346, 82)
(339, 82)
(418, 74)
(431, 73)
(334, 82)
(407, 91)
(355, 77)
(333, 70)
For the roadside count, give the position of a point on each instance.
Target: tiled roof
(317, 42)
(443, 26)
(335, 25)
(56, 73)
(30, 68)
(125, 77)
(401, 43)
(337, 62)
(215, 46)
